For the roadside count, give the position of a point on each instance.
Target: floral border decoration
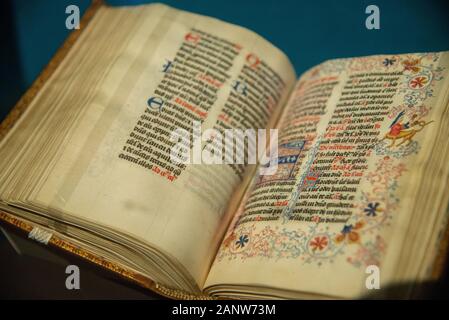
(359, 240)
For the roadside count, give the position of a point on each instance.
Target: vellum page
(175, 69)
(353, 143)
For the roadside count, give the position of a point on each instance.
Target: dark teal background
(307, 31)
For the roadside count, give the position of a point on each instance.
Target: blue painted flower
(388, 62)
(346, 229)
(242, 241)
(350, 232)
(371, 209)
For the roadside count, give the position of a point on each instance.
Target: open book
(361, 181)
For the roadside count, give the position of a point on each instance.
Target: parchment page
(353, 141)
(175, 69)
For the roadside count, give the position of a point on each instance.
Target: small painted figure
(404, 131)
